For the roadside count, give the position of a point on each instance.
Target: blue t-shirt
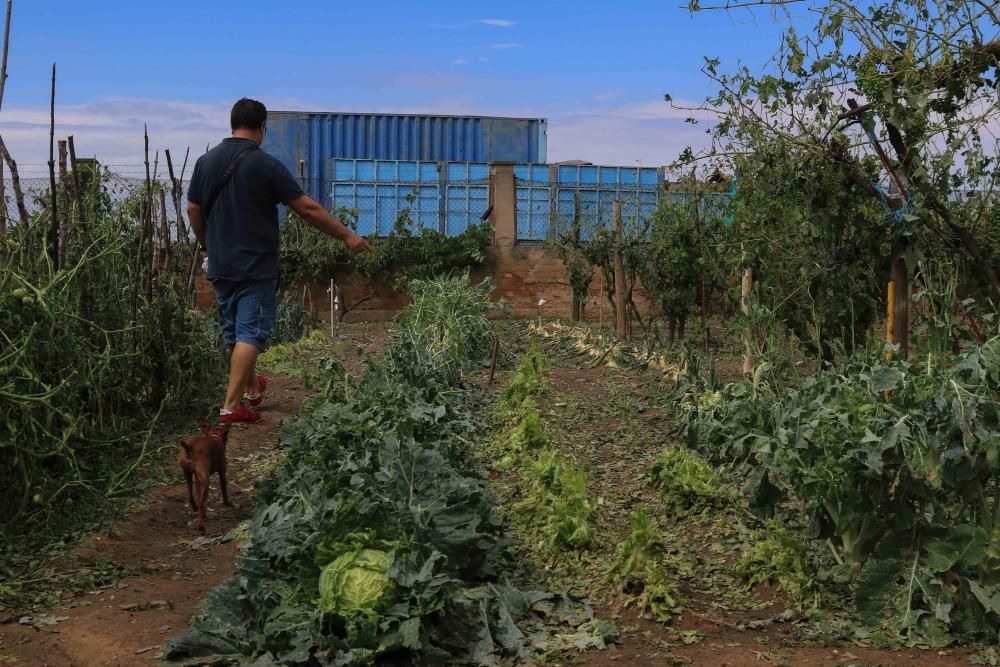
(241, 233)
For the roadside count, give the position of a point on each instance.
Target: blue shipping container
(307, 142)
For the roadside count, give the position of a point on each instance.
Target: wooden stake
(147, 219)
(621, 313)
(164, 228)
(493, 360)
(22, 211)
(63, 203)
(53, 235)
(899, 303)
(890, 300)
(6, 43)
(175, 195)
(703, 310)
(575, 307)
(77, 190)
(3, 210)
(747, 287)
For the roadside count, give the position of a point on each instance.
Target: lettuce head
(355, 581)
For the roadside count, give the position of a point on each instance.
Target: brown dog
(200, 457)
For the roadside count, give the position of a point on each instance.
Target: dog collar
(217, 438)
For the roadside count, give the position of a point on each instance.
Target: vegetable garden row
(378, 535)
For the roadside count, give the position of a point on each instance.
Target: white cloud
(112, 129)
(607, 95)
(649, 132)
(506, 45)
(483, 59)
(461, 60)
(498, 23)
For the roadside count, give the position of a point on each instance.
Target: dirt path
(124, 624)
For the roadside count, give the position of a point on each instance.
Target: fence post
(621, 314)
(747, 287)
(504, 199)
(900, 280)
(63, 202)
(577, 299)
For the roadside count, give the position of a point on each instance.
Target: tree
(917, 76)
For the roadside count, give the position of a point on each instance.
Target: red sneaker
(259, 399)
(240, 415)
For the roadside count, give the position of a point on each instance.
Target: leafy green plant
(555, 501)
(896, 467)
(354, 582)
(98, 342)
(776, 556)
(526, 383)
(293, 357)
(686, 481)
(529, 433)
(292, 321)
(407, 253)
(377, 536)
(641, 570)
(450, 316)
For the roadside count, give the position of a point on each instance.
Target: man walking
(232, 204)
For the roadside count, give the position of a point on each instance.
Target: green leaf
(886, 591)
(886, 379)
(963, 546)
(988, 596)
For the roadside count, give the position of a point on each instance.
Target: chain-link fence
(443, 196)
(116, 194)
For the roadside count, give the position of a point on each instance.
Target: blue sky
(597, 70)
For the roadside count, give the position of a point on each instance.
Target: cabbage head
(355, 581)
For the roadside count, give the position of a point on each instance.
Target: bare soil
(125, 623)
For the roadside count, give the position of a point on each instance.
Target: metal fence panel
(446, 196)
(465, 206)
(534, 201)
(595, 187)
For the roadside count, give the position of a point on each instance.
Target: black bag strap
(223, 181)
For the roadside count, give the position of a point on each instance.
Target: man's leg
(241, 374)
(255, 314)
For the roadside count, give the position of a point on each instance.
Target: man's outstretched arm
(312, 212)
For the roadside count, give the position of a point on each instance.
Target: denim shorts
(247, 310)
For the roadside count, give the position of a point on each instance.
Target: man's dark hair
(247, 114)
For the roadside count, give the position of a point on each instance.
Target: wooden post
(3, 210)
(493, 360)
(175, 195)
(63, 203)
(52, 242)
(77, 193)
(164, 228)
(574, 314)
(747, 287)
(4, 154)
(621, 314)
(899, 302)
(890, 301)
(702, 292)
(6, 43)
